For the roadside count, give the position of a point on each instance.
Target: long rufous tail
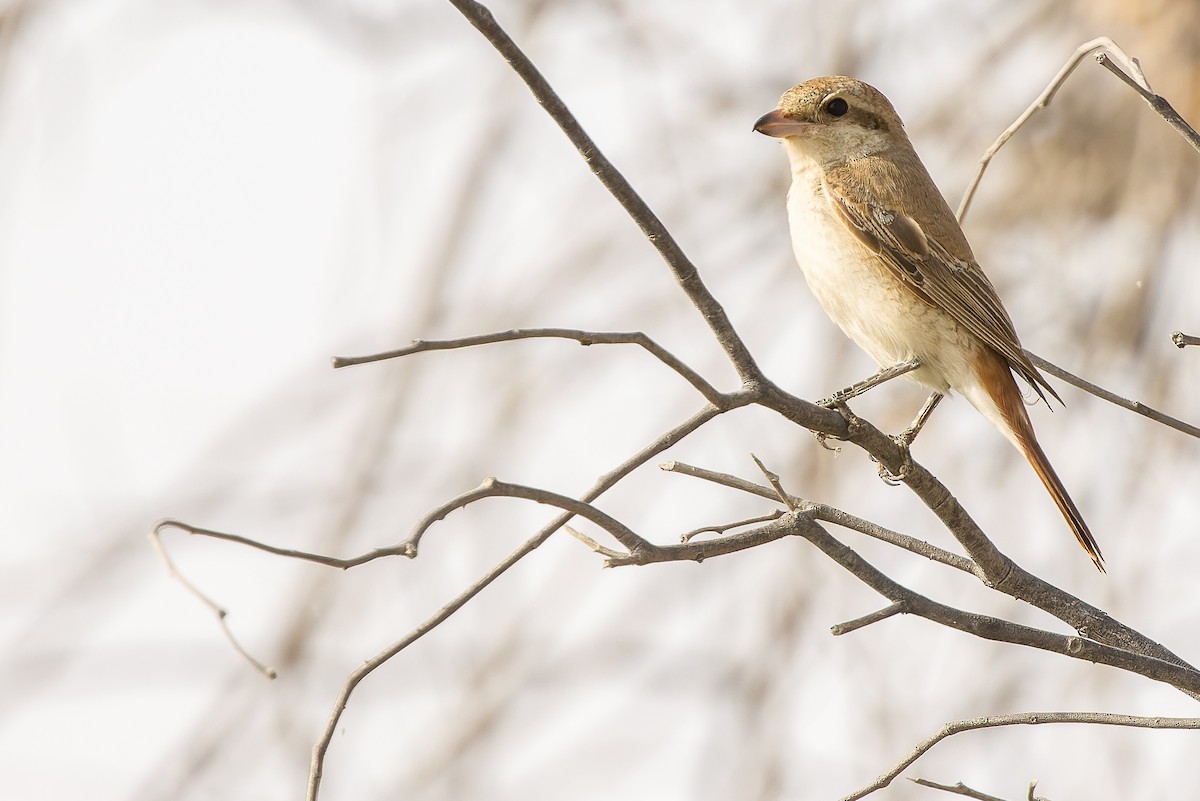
(1003, 392)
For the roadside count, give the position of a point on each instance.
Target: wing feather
(934, 274)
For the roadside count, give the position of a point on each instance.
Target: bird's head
(832, 120)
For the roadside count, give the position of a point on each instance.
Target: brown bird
(886, 259)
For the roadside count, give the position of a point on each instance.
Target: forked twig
(1132, 73)
(829, 514)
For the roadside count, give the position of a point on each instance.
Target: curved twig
(494, 488)
(602, 485)
(218, 611)
(1102, 43)
(1022, 719)
(585, 338)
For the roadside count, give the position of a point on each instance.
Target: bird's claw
(838, 404)
(902, 440)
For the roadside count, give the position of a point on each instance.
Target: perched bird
(886, 259)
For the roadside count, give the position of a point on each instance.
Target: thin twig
(1157, 102)
(591, 543)
(874, 617)
(1182, 340)
(1086, 49)
(697, 551)
(403, 549)
(602, 485)
(721, 528)
(829, 514)
(681, 266)
(317, 767)
(494, 488)
(584, 338)
(773, 480)
(221, 615)
(958, 788)
(1021, 719)
(804, 525)
(1114, 398)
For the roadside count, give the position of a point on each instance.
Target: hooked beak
(774, 123)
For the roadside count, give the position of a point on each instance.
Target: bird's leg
(905, 438)
(838, 399)
(854, 390)
(908, 435)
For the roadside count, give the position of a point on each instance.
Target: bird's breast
(868, 301)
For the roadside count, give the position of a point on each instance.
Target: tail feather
(1002, 391)
(1041, 465)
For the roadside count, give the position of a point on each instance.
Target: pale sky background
(202, 201)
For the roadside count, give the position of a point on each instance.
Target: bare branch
(591, 543)
(866, 620)
(804, 525)
(220, 613)
(1177, 675)
(698, 551)
(306, 556)
(773, 480)
(1022, 719)
(494, 488)
(1129, 72)
(958, 788)
(1157, 102)
(681, 266)
(602, 485)
(317, 768)
(829, 514)
(1182, 340)
(1113, 398)
(721, 528)
(585, 338)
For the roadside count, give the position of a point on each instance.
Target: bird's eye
(837, 106)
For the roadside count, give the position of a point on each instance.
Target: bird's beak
(774, 123)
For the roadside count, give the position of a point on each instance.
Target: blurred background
(202, 201)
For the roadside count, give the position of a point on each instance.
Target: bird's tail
(1002, 391)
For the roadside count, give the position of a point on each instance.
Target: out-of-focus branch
(1022, 719)
(1113, 58)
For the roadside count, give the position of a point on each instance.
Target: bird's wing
(936, 275)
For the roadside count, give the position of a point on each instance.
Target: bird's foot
(837, 404)
(903, 440)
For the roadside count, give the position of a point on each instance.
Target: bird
(886, 259)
